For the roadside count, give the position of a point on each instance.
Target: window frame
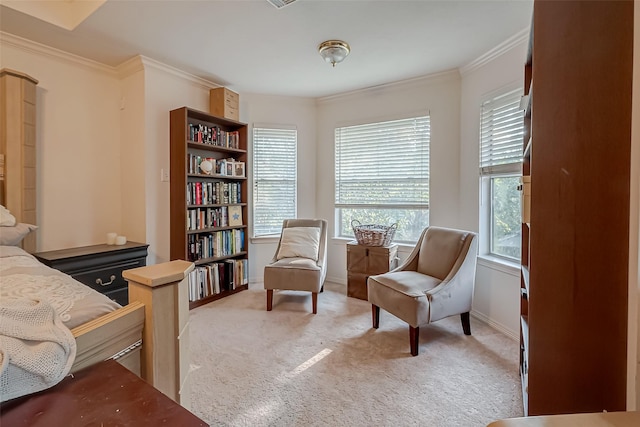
(488, 173)
(255, 178)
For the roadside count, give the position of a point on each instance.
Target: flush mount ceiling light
(334, 51)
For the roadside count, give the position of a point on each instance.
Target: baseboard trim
(495, 325)
(338, 280)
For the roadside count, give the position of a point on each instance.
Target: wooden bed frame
(131, 335)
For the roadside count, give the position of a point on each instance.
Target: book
(235, 215)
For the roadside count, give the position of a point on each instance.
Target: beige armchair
(436, 281)
(299, 263)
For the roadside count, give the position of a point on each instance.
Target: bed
(43, 305)
(102, 329)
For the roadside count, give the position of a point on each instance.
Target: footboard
(116, 335)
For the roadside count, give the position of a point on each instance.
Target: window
(382, 176)
(274, 178)
(501, 133)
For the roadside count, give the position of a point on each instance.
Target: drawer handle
(99, 281)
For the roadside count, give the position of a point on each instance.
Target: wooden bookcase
(203, 203)
(575, 247)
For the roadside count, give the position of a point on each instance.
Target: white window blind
(382, 175)
(274, 178)
(501, 133)
(382, 164)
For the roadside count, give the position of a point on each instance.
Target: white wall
(497, 292)
(132, 147)
(440, 96)
(165, 89)
(279, 110)
(78, 143)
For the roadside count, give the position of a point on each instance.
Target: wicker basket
(372, 234)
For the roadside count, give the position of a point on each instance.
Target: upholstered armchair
(436, 281)
(300, 261)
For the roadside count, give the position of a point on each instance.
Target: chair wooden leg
(314, 302)
(269, 299)
(414, 335)
(466, 324)
(375, 316)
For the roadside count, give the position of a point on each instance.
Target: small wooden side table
(104, 394)
(364, 261)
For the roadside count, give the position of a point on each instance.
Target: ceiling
(252, 47)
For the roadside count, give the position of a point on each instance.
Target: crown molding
(150, 63)
(54, 53)
(125, 69)
(130, 67)
(510, 43)
(430, 79)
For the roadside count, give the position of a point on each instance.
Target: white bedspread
(23, 276)
(36, 348)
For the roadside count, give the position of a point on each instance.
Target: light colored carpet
(289, 367)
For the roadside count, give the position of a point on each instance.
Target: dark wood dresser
(364, 261)
(99, 266)
(104, 394)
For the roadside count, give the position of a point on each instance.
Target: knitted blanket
(36, 348)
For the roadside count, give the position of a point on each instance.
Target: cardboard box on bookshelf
(224, 103)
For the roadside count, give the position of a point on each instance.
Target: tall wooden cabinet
(575, 245)
(208, 197)
(18, 147)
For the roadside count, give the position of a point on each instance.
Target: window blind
(501, 133)
(383, 164)
(274, 178)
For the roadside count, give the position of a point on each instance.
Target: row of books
(203, 218)
(213, 135)
(225, 167)
(213, 193)
(215, 244)
(211, 279)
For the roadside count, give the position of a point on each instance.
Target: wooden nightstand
(99, 266)
(365, 261)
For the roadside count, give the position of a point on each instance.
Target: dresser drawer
(107, 278)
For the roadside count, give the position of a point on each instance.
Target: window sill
(264, 240)
(402, 247)
(499, 264)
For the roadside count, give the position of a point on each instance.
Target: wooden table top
(105, 394)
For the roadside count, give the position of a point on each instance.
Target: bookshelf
(575, 235)
(208, 202)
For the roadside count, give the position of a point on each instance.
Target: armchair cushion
(301, 242)
(409, 283)
(403, 293)
(295, 262)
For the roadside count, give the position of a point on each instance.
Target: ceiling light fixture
(334, 51)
